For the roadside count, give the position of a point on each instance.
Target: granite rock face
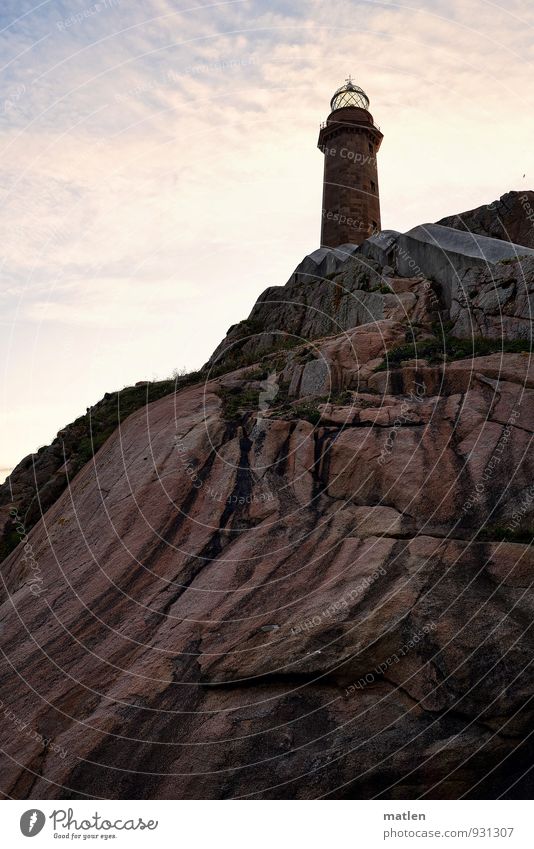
(261, 606)
(306, 577)
(496, 303)
(357, 291)
(431, 272)
(446, 255)
(39, 479)
(510, 218)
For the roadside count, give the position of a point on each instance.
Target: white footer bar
(267, 824)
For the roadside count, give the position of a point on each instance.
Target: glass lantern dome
(349, 95)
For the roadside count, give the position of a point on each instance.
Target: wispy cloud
(159, 165)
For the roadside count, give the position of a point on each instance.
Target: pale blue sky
(159, 167)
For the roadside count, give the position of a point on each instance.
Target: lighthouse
(350, 142)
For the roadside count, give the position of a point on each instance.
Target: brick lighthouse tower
(349, 141)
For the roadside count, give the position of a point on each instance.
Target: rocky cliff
(307, 574)
(510, 218)
(39, 479)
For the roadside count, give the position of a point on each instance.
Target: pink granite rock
(266, 607)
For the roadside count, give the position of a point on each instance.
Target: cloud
(110, 303)
(159, 165)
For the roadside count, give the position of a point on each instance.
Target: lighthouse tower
(349, 141)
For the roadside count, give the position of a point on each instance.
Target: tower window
(370, 147)
(373, 186)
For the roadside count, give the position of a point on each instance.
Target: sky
(159, 167)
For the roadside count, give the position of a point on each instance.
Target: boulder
(217, 598)
(445, 255)
(315, 563)
(510, 218)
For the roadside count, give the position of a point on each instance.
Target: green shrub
(240, 359)
(309, 412)
(9, 542)
(237, 401)
(248, 327)
(344, 398)
(512, 259)
(445, 347)
(383, 289)
(257, 374)
(502, 533)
